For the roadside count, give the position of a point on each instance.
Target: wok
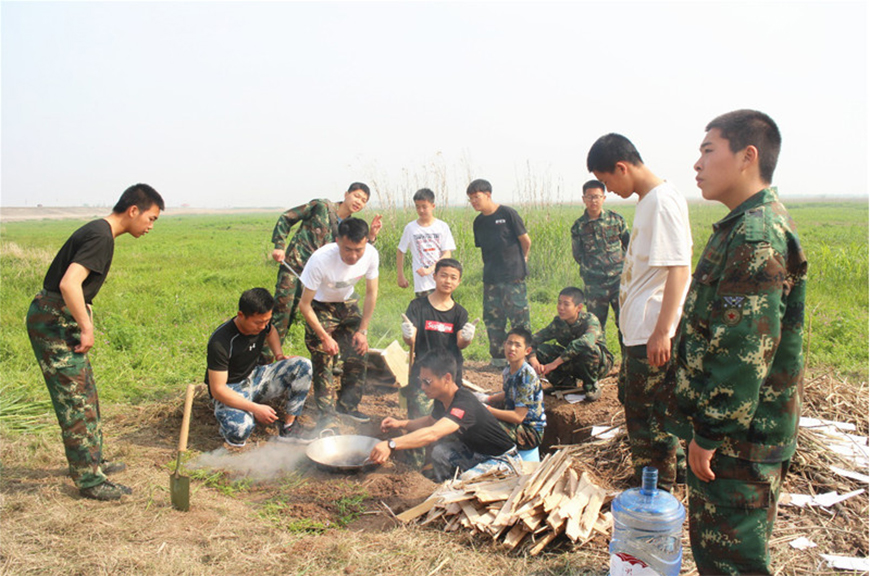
(342, 453)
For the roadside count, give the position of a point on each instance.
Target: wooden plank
(506, 510)
(590, 512)
(396, 360)
(418, 510)
(472, 386)
(515, 536)
(536, 549)
(532, 522)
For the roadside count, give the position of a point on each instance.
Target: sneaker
(234, 448)
(593, 394)
(355, 415)
(292, 434)
(105, 491)
(112, 467)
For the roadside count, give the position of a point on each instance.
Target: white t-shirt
(332, 279)
(427, 244)
(660, 237)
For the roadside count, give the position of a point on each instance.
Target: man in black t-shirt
(464, 433)
(61, 331)
(239, 386)
(504, 244)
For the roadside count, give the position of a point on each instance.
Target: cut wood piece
(507, 509)
(540, 544)
(396, 360)
(418, 510)
(604, 523)
(590, 512)
(515, 536)
(472, 386)
(573, 481)
(533, 521)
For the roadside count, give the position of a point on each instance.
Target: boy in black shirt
(239, 385)
(61, 331)
(504, 244)
(476, 441)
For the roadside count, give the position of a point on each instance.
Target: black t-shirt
(478, 428)
(436, 329)
(91, 246)
(233, 352)
(497, 237)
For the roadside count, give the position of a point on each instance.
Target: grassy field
(169, 290)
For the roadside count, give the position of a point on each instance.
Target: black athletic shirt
(91, 246)
(436, 329)
(497, 237)
(233, 352)
(478, 428)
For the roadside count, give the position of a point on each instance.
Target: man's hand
(264, 414)
(547, 368)
(360, 343)
(380, 453)
(484, 398)
(390, 423)
(467, 331)
(658, 349)
(533, 362)
(408, 330)
(278, 255)
(330, 346)
(425, 271)
(87, 340)
(280, 356)
(402, 281)
(699, 462)
(375, 228)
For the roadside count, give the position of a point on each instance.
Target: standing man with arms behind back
(739, 355)
(599, 240)
(61, 330)
(504, 244)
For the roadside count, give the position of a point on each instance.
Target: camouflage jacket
(319, 226)
(740, 346)
(585, 333)
(599, 245)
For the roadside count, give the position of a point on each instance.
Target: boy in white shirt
(654, 282)
(430, 240)
(333, 320)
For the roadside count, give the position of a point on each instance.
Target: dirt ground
(299, 519)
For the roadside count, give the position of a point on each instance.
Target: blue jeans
(290, 377)
(450, 454)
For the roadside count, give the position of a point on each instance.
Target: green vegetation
(168, 291)
(282, 514)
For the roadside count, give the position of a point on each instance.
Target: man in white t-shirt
(333, 321)
(655, 278)
(429, 239)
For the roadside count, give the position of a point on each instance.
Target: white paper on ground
(802, 543)
(847, 562)
(605, 432)
(850, 474)
(574, 398)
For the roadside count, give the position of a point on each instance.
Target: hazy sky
(274, 103)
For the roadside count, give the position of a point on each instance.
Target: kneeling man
(464, 433)
(239, 386)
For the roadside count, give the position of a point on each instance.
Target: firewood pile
(545, 500)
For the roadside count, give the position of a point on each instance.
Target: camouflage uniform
(522, 389)
(341, 320)
(503, 302)
(319, 226)
(419, 405)
(581, 347)
(599, 248)
(739, 381)
(54, 334)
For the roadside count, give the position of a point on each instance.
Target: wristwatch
(391, 444)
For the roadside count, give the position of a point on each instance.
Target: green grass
(168, 291)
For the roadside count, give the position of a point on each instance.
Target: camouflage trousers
(450, 453)
(290, 378)
(341, 320)
(588, 367)
(600, 297)
(288, 291)
(70, 380)
(419, 405)
(524, 436)
(504, 302)
(731, 518)
(649, 442)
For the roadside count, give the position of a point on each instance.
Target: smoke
(263, 462)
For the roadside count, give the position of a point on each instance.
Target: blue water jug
(647, 531)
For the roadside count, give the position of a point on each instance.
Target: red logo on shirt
(458, 412)
(434, 326)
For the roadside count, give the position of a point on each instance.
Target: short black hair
(479, 185)
(610, 149)
(744, 128)
(360, 186)
(424, 194)
(354, 229)
(142, 196)
(523, 333)
(593, 185)
(448, 263)
(256, 301)
(575, 294)
(439, 361)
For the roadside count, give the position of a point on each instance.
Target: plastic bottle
(647, 531)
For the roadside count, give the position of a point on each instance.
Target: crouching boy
(522, 415)
(463, 433)
(571, 351)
